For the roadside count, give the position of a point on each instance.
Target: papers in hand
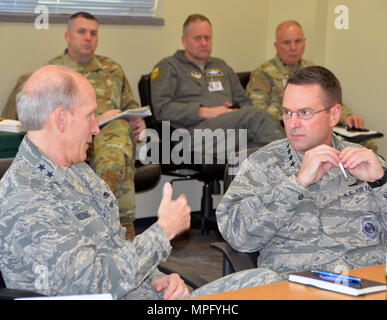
(11, 125)
(337, 284)
(130, 113)
(357, 136)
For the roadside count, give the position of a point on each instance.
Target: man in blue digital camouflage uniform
(60, 232)
(291, 201)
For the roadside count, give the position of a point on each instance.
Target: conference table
(286, 290)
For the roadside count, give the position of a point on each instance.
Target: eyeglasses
(304, 114)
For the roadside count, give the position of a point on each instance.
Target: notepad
(9, 125)
(141, 112)
(354, 288)
(357, 136)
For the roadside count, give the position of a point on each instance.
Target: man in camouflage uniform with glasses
(291, 201)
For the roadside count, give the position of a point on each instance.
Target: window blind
(140, 8)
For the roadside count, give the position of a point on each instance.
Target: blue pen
(336, 275)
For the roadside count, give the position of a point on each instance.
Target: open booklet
(130, 113)
(357, 135)
(336, 282)
(9, 125)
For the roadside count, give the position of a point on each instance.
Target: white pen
(343, 171)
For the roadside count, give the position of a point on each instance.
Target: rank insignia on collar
(196, 74)
(49, 174)
(41, 167)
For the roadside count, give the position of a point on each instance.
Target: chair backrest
(144, 90)
(2, 282)
(4, 165)
(244, 78)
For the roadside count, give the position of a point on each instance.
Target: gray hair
(34, 106)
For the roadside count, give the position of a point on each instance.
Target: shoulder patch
(157, 73)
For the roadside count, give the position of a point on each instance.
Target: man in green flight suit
(113, 151)
(202, 93)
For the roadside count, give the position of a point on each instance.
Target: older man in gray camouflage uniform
(291, 201)
(59, 231)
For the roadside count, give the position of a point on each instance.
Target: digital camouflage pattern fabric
(112, 154)
(60, 233)
(333, 224)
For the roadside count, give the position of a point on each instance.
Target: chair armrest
(193, 280)
(234, 261)
(10, 294)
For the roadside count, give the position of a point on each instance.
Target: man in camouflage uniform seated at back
(267, 83)
(113, 152)
(291, 201)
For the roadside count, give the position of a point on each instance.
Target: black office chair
(209, 174)
(11, 294)
(233, 260)
(146, 177)
(192, 280)
(244, 78)
(4, 165)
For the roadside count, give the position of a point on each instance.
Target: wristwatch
(380, 182)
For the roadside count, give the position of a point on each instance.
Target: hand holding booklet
(337, 282)
(130, 113)
(357, 135)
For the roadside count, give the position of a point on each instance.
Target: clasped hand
(361, 163)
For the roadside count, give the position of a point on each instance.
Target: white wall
(358, 58)
(243, 36)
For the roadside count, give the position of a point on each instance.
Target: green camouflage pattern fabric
(60, 233)
(112, 154)
(9, 110)
(332, 225)
(267, 84)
